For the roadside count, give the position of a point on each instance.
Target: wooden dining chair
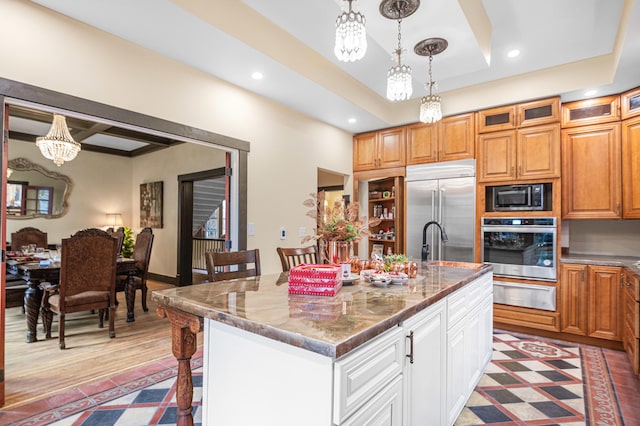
(118, 234)
(142, 256)
(293, 256)
(26, 236)
(232, 264)
(87, 280)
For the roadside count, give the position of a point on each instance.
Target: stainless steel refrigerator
(442, 192)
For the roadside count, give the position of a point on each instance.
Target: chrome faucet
(425, 246)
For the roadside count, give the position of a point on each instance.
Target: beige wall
(101, 184)
(287, 148)
(607, 237)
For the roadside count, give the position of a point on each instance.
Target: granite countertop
(331, 326)
(633, 263)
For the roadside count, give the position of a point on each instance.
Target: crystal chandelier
(351, 36)
(58, 145)
(430, 106)
(399, 85)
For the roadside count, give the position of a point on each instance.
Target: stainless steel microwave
(527, 197)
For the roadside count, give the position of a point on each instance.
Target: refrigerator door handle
(441, 215)
(435, 215)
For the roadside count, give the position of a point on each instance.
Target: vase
(337, 252)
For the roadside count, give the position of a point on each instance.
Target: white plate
(352, 278)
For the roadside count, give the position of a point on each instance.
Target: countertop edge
(323, 348)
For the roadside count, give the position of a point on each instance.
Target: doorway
(203, 215)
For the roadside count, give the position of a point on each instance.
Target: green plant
(127, 242)
(391, 258)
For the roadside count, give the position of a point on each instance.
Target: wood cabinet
(379, 150)
(452, 138)
(386, 201)
(631, 322)
(630, 103)
(526, 114)
(591, 111)
(631, 167)
(590, 302)
(591, 172)
(524, 154)
(519, 142)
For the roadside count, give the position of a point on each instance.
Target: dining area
(83, 272)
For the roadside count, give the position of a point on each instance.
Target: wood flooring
(40, 369)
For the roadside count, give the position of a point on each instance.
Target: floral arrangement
(394, 258)
(337, 222)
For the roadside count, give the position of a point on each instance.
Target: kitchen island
(405, 354)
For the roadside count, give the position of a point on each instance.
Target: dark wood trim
(331, 188)
(29, 93)
(242, 199)
(185, 225)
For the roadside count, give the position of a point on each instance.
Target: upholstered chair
(26, 236)
(87, 280)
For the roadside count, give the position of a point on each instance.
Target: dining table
(36, 269)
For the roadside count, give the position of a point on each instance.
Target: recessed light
(257, 75)
(352, 120)
(590, 92)
(513, 53)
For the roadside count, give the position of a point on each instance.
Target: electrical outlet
(302, 231)
(251, 229)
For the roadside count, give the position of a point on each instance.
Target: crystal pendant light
(430, 106)
(58, 145)
(351, 36)
(399, 84)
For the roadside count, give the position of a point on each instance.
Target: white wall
(287, 148)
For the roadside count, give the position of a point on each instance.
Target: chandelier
(399, 85)
(351, 36)
(430, 106)
(58, 145)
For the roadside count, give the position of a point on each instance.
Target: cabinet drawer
(362, 374)
(457, 306)
(385, 408)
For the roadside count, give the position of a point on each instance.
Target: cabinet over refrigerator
(445, 193)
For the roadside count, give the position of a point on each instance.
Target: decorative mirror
(33, 191)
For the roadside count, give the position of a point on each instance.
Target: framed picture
(151, 205)
(377, 249)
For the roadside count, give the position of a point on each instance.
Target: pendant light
(430, 105)
(399, 84)
(58, 145)
(351, 36)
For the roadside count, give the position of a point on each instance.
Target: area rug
(536, 381)
(145, 397)
(530, 381)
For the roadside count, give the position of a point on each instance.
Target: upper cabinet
(591, 187)
(379, 150)
(630, 103)
(591, 111)
(452, 138)
(527, 146)
(631, 168)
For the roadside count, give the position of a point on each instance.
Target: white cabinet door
(384, 409)
(457, 371)
(425, 377)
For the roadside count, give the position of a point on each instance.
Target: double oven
(525, 248)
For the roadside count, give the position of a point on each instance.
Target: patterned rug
(536, 382)
(530, 381)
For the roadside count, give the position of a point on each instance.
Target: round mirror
(33, 191)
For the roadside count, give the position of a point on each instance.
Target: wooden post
(184, 333)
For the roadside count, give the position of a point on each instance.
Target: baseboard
(163, 278)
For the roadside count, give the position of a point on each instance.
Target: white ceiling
(291, 43)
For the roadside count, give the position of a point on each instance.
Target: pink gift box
(318, 280)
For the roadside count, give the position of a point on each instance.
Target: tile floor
(530, 381)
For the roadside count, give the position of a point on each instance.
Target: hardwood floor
(40, 369)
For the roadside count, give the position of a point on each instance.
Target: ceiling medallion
(398, 9)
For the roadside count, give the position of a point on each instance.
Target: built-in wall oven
(521, 247)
